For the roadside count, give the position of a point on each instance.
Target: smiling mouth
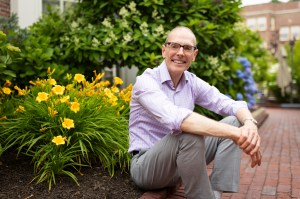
(178, 61)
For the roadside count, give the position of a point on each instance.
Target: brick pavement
(279, 174)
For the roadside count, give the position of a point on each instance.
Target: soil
(16, 176)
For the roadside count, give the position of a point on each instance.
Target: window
(284, 34)
(61, 5)
(251, 23)
(262, 23)
(295, 32)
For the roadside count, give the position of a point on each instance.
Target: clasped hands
(249, 142)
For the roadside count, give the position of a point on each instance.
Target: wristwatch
(252, 120)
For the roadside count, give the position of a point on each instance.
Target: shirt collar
(165, 75)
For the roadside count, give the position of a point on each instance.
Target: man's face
(179, 58)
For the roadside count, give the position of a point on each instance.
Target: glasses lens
(177, 46)
(188, 48)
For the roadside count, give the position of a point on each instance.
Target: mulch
(16, 176)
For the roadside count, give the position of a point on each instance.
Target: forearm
(243, 114)
(201, 125)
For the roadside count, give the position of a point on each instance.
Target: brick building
(5, 8)
(275, 22)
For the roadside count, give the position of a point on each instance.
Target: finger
(248, 141)
(243, 137)
(259, 157)
(253, 144)
(257, 146)
(254, 160)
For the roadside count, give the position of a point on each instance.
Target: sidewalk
(279, 174)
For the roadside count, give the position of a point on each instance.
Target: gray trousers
(184, 157)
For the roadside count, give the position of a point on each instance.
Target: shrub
(69, 126)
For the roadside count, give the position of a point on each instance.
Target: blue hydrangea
(250, 85)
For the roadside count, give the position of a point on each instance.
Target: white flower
(107, 22)
(124, 12)
(124, 23)
(159, 30)
(213, 61)
(132, 6)
(74, 25)
(107, 41)
(95, 42)
(127, 38)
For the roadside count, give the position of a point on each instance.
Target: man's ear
(163, 51)
(195, 54)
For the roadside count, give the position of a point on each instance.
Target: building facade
(5, 8)
(277, 23)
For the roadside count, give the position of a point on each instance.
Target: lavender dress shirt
(157, 108)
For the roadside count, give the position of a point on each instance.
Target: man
(170, 143)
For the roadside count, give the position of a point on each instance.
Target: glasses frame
(193, 47)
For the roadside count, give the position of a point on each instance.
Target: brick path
(279, 174)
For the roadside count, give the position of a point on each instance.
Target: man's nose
(180, 51)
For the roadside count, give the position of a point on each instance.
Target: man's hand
(256, 159)
(249, 142)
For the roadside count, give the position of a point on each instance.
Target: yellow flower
(52, 81)
(65, 99)
(118, 81)
(114, 89)
(43, 129)
(49, 72)
(79, 78)
(52, 112)
(3, 118)
(99, 76)
(113, 100)
(58, 90)
(6, 90)
(104, 83)
(68, 123)
(69, 87)
(21, 91)
(75, 107)
(108, 93)
(58, 140)
(42, 96)
(7, 83)
(20, 109)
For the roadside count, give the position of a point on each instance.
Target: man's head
(180, 50)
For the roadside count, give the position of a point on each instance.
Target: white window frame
(262, 23)
(251, 23)
(295, 32)
(284, 33)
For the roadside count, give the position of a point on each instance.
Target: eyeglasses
(176, 46)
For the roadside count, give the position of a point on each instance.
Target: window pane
(262, 23)
(251, 23)
(284, 34)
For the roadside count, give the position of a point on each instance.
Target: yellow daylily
(118, 81)
(6, 90)
(42, 96)
(58, 90)
(79, 78)
(68, 123)
(75, 107)
(20, 109)
(52, 81)
(7, 83)
(59, 140)
(65, 99)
